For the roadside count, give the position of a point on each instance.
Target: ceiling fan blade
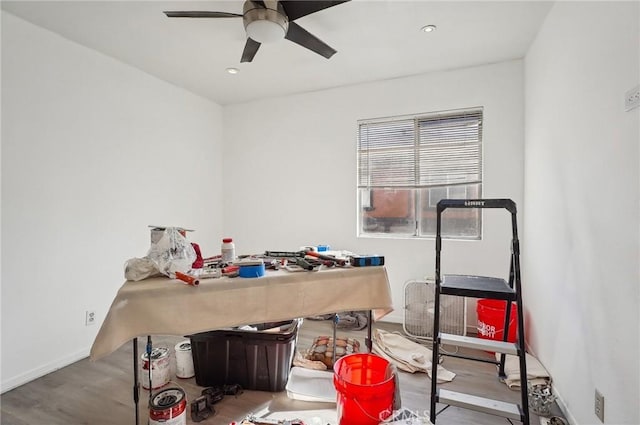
(250, 49)
(300, 36)
(297, 9)
(270, 4)
(201, 14)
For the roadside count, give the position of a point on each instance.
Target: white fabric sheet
(407, 355)
(536, 373)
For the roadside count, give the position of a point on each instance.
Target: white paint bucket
(168, 407)
(184, 360)
(159, 368)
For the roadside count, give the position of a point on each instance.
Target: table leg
(150, 366)
(369, 341)
(136, 383)
(335, 324)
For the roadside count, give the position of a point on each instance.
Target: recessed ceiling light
(429, 28)
(233, 70)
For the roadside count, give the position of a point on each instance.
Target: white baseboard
(16, 381)
(561, 404)
(563, 407)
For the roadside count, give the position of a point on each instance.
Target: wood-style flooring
(100, 392)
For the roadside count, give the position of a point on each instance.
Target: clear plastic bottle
(228, 250)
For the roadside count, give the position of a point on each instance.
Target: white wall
(290, 167)
(582, 206)
(93, 151)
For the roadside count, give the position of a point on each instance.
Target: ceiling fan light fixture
(264, 31)
(264, 25)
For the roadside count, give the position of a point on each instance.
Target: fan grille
(419, 296)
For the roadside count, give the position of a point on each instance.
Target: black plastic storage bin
(255, 360)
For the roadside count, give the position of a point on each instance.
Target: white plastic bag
(172, 253)
(137, 269)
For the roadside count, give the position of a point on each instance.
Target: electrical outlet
(599, 406)
(89, 317)
(632, 98)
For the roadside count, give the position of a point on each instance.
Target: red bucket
(491, 314)
(365, 385)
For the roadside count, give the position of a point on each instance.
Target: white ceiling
(375, 40)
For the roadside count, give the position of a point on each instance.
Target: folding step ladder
(481, 287)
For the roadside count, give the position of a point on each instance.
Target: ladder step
(480, 404)
(479, 343)
(477, 287)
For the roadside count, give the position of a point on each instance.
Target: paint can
(159, 368)
(184, 360)
(168, 407)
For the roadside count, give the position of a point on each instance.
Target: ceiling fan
(271, 20)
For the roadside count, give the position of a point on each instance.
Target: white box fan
(419, 309)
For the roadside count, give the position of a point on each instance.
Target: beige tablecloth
(162, 306)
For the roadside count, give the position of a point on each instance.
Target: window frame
(467, 169)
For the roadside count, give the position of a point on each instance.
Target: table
(163, 306)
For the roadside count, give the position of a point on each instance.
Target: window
(407, 164)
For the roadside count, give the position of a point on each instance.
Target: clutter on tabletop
(256, 265)
(251, 267)
(171, 251)
(310, 260)
(228, 250)
(171, 254)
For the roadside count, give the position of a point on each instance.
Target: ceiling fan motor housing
(264, 24)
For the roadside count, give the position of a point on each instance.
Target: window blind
(423, 151)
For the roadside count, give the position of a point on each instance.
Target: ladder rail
(514, 282)
(520, 336)
(436, 320)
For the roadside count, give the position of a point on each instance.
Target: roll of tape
(251, 271)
